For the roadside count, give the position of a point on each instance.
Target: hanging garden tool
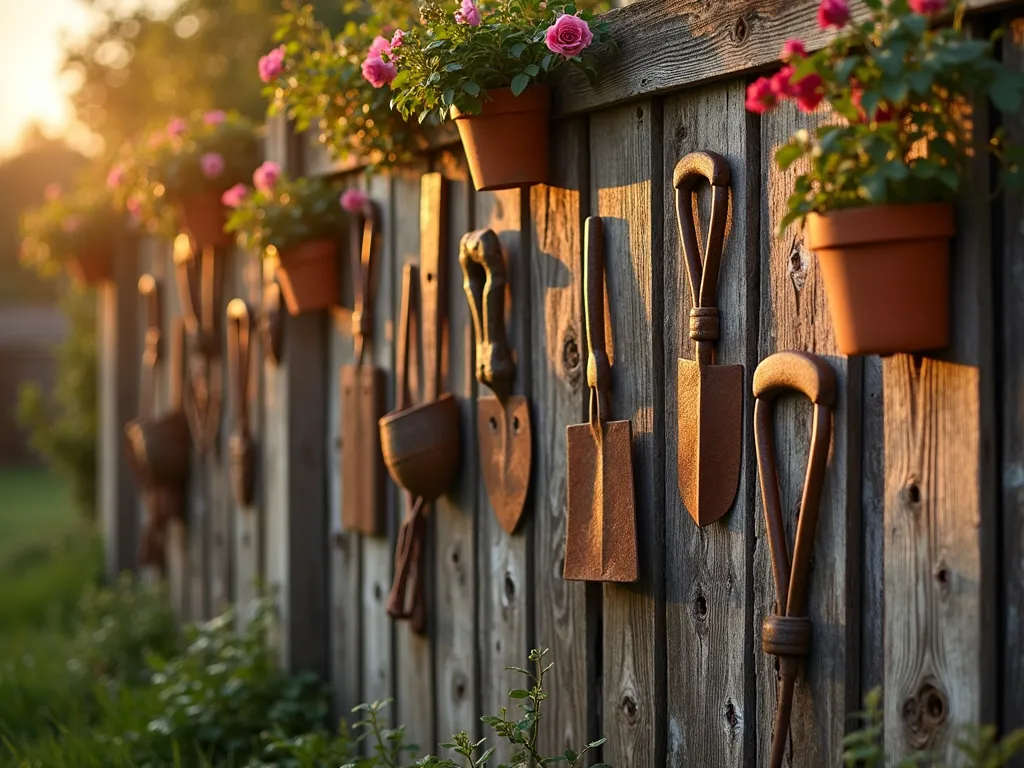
(242, 450)
(600, 537)
(271, 322)
(200, 277)
(709, 396)
(787, 634)
(363, 506)
(503, 419)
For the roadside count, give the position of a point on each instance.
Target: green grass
(34, 504)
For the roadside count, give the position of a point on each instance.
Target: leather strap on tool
(787, 634)
(702, 274)
(407, 599)
(366, 243)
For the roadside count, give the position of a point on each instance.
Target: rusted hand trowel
(710, 397)
(362, 395)
(503, 420)
(600, 538)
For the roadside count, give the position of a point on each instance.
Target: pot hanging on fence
(203, 216)
(308, 274)
(91, 266)
(886, 273)
(242, 450)
(507, 143)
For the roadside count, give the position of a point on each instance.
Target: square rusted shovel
(710, 396)
(363, 507)
(600, 537)
(503, 420)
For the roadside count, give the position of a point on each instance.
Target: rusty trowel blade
(710, 400)
(505, 455)
(362, 468)
(600, 536)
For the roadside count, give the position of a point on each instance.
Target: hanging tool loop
(484, 280)
(787, 634)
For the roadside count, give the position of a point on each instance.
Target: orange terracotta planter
(308, 275)
(886, 272)
(91, 267)
(507, 143)
(203, 216)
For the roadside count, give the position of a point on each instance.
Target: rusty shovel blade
(362, 467)
(505, 455)
(710, 401)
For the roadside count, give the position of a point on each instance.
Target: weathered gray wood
(504, 600)
(453, 614)
(794, 315)
(707, 608)
(940, 523)
(626, 186)
(558, 364)
(872, 606)
(118, 360)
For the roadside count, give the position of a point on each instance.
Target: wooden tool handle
(433, 217)
(366, 243)
(483, 267)
(410, 277)
(239, 338)
(598, 365)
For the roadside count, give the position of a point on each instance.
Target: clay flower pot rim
(503, 101)
(880, 223)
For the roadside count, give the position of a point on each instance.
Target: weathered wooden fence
(918, 569)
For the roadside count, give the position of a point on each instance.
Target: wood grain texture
(504, 597)
(558, 362)
(453, 614)
(794, 315)
(708, 606)
(872, 606)
(626, 186)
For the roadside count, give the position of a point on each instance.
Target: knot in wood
(705, 324)
(786, 635)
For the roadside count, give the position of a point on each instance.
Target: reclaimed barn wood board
(558, 362)
(708, 604)
(453, 615)
(941, 644)
(794, 315)
(872, 504)
(626, 181)
(504, 597)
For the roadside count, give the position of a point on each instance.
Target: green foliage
(978, 745)
(65, 227)
(323, 85)
(444, 64)
(290, 213)
(904, 88)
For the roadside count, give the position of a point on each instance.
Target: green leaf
(545, 62)
(1005, 92)
(532, 70)
(448, 97)
(519, 83)
(517, 50)
(471, 88)
(453, 67)
(788, 154)
(518, 693)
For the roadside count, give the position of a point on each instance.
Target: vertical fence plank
(503, 596)
(794, 315)
(625, 176)
(558, 362)
(707, 607)
(940, 546)
(453, 614)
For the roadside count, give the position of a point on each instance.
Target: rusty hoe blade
(600, 538)
(787, 633)
(242, 450)
(503, 420)
(362, 393)
(709, 396)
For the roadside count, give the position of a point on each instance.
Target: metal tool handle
(409, 563)
(410, 278)
(483, 267)
(239, 345)
(702, 274)
(366, 243)
(433, 218)
(598, 366)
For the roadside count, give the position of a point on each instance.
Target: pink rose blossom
(397, 39)
(884, 112)
(833, 13)
(265, 177)
(272, 64)
(378, 72)
(353, 200)
(232, 198)
(569, 36)
(212, 164)
(927, 7)
(793, 49)
(176, 127)
(215, 117)
(379, 47)
(52, 192)
(468, 14)
(782, 83)
(761, 96)
(116, 176)
(808, 92)
(71, 224)
(134, 206)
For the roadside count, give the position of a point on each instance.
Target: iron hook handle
(483, 269)
(598, 365)
(366, 243)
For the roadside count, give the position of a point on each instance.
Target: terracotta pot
(886, 272)
(308, 274)
(91, 267)
(507, 143)
(421, 446)
(203, 216)
(158, 448)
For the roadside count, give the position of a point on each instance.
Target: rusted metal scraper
(600, 539)
(710, 397)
